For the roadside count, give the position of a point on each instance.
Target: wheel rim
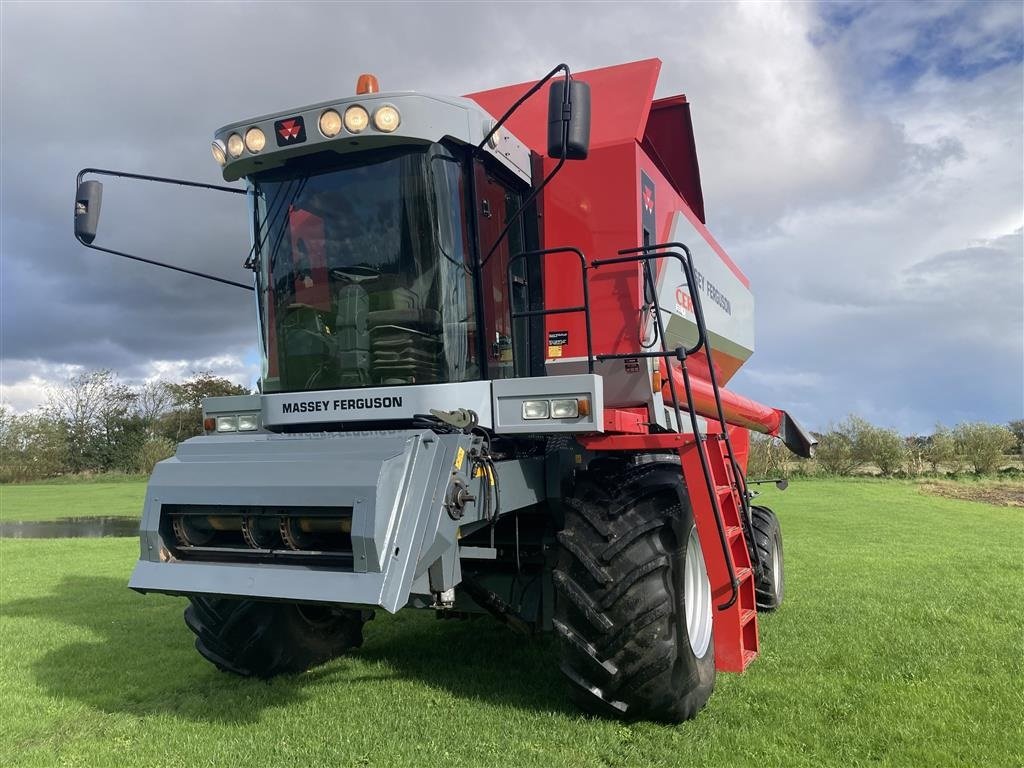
(697, 596)
(776, 569)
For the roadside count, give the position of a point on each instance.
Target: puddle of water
(71, 528)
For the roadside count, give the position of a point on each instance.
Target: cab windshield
(365, 272)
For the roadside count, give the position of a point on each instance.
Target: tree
(153, 400)
(767, 457)
(185, 419)
(983, 445)
(940, 451)
(843, 448)
(884, 448)
(31, 447)
(1017, 428)
(94, 411)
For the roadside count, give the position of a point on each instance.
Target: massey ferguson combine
(495, 334)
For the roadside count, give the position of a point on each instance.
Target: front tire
(253, 638)
(770, 583)
(634, 608)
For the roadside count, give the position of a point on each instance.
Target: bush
(941, 451)
(767, 457)
(983, 445)
(843, 449)
(153, 451)
(32, 447)
(884, 448)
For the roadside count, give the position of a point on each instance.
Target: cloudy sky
(862, 162)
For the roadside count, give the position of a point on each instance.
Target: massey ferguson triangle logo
(291, 130)
(648, 199)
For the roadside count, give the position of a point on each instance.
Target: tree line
(95, 423)
(855, 446)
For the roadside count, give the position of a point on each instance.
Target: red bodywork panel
(595, 205)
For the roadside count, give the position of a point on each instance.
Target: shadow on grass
(142, 660)
(477, 659)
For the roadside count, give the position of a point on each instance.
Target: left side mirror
(87, 210)
(577, 134)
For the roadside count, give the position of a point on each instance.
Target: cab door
(507, 341)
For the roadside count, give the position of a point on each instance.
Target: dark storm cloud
(853, 314)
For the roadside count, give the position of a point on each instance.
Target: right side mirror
(87, 210)
(577, 135)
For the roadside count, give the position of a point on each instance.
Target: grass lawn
(48, 501)
(900, 643)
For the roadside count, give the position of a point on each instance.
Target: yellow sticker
(478, 472)
(460, 456)
(554, 351)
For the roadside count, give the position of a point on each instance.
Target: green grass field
(900, 643)
(47, 501)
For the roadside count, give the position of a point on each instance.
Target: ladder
(715, 483)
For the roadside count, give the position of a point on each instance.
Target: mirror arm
(163, 180)
(519, 102)
(168, 266)
(566, 105)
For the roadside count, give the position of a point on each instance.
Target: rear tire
(622, 581)
(770, 583)
(263, 639)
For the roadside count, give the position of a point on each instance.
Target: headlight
(219, 152)
(235, 145)
(565, 409)
(248, 422)
(330, 123)
(536, 409)
(386, 119)
(356, 119)
(227, 423)
(255, 140)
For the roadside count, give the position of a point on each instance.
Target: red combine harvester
(493, 358)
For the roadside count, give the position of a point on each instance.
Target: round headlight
(386, 118)
(356, 119)
(235, 145)
(330, 123)
(219, 154)
(255, 140)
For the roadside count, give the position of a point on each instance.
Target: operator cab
(370, 216)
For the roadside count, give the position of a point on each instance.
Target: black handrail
(584, 308)
(646, 254)
(740, 477)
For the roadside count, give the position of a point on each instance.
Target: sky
(861, 162)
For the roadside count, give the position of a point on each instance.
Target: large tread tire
(619, 612)
(254, 638)
(770, 582)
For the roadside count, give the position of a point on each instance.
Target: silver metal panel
(425, 118)
(231, 404)
(728, 304)
(376, 404)
(510, 393)
(395, 483)
(272, 582)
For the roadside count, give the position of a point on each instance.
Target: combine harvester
(494, 332)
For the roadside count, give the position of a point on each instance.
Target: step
(733, 532)
(747, 616)
(743, 574)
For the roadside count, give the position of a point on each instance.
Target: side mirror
(87, 210)
(569, 122)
